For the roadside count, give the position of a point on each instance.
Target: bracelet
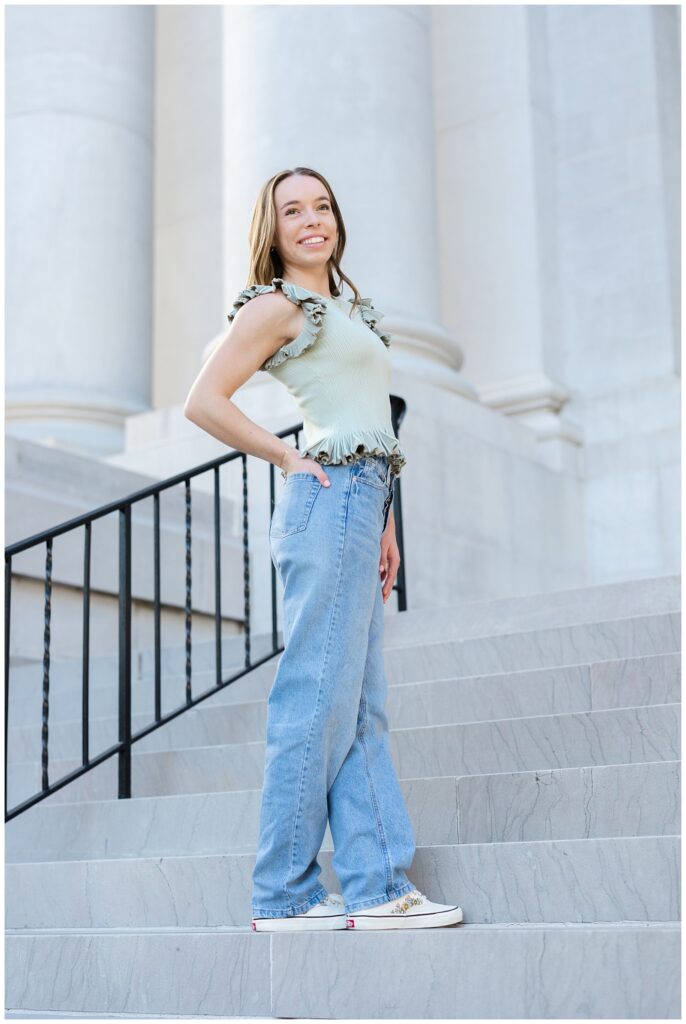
(283, 471)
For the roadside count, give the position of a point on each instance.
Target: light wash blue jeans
(327, 749)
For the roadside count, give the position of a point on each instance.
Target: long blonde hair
(266, 263)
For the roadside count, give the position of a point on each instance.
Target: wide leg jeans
(327, 744)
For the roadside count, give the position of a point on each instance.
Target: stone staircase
(537, 743)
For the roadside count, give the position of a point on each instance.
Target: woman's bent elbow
(191, 412)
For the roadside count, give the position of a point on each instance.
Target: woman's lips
(312, 245)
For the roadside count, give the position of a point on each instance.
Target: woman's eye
(293, 209)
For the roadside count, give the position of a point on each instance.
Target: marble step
(629, 599)
(65, 687)
(528, 972)
(563, 803)
(90, 1015)
(520, 613)
(539, 648)
(583, 739)
(103, 671)
(653, 679)
(633, 878)
(479, 655)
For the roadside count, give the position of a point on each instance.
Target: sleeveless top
(338, 370)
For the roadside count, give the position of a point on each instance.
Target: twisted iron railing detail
(47, 611)
(124, 509)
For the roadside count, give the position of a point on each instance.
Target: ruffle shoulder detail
(371, 317)
(311, 305)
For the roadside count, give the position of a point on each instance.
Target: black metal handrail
(124, 507)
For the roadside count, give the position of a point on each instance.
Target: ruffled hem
(371, 317)
(312, 306)
(358, 444)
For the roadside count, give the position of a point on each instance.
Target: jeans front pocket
(292, 511)
(374, 472)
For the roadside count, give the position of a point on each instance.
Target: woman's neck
(318, 287)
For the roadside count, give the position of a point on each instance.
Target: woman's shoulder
(312, 305)
(371, 317)
(294, 292)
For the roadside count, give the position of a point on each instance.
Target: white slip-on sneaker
(327, 915)
(413, 910)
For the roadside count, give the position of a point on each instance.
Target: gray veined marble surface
(539, 758)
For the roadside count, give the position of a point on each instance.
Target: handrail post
(8, 597)
(47, 614)
(400, 582)
(246, 564)
(217, 582)
(85, 651)
(157, 607)
(272, 503)
(188, 615)
(125, 651)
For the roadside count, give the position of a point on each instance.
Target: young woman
(332, 540)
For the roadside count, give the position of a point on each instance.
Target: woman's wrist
(283, 461)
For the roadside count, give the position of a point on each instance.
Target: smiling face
(304, 210)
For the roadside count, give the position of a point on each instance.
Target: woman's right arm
(258, 330)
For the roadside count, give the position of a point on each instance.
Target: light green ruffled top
(338, 371)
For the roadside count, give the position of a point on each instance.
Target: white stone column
(665, 26)
(189, 273)
(347, 91)
(496, 195)
(79, 221)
